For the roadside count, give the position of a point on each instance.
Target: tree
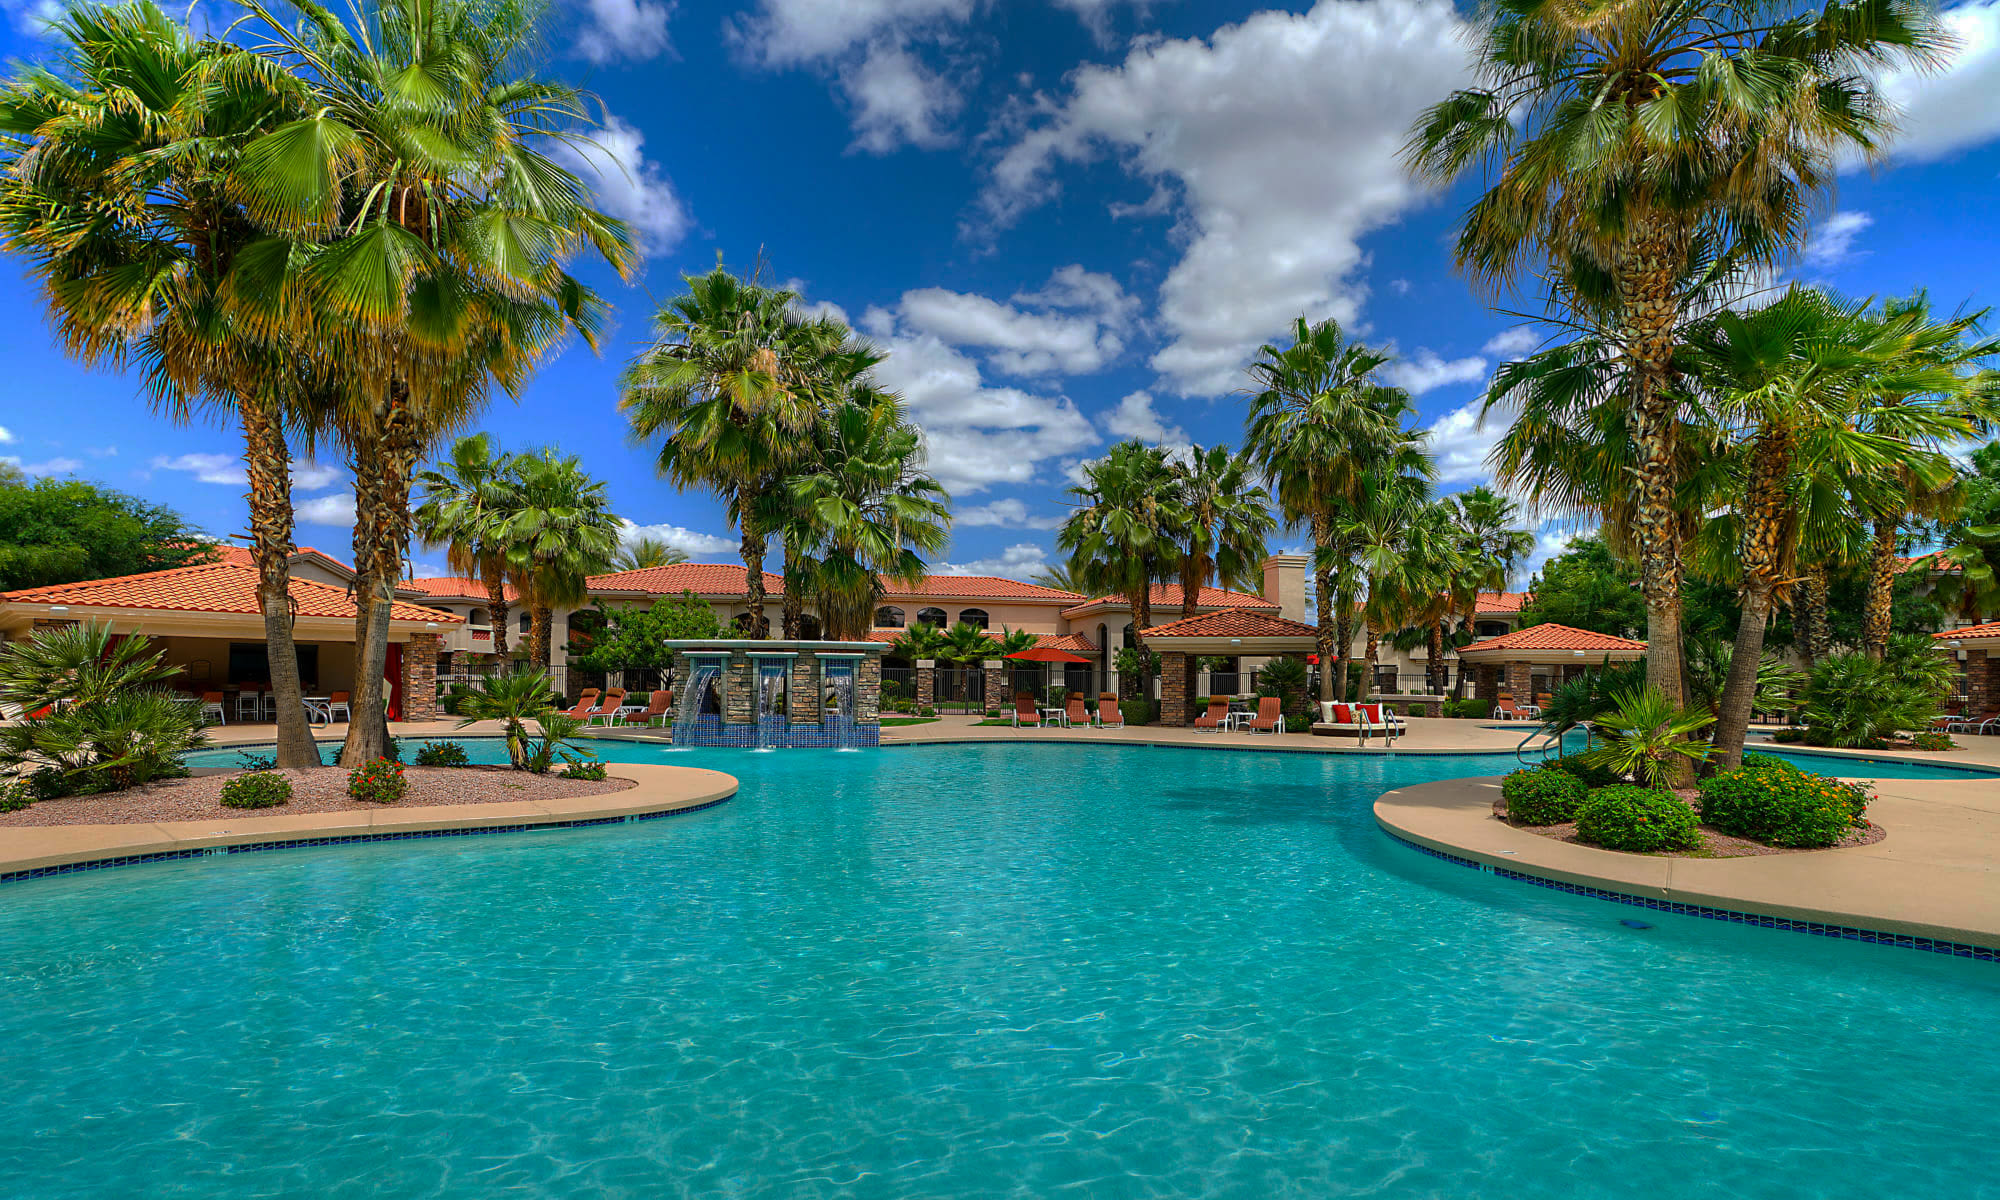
(634, 639)
(1620, 145)
(467, 501)
(1379, 530)
(1971, 539)
(1318, 422)
(1587, 587)
(1490, 548)
(127, 202)
(561, 534)
(920, 641)
(1117, 537)
(721, 387)
(65, 530)
(1219, 521)
(1057, 576)
(649, 552)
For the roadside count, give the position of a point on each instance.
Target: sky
(1069, 222)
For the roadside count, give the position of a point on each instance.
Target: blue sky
(1069, 221)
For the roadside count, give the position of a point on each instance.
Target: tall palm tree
(1117, 539)
(1219, 521)
(1379, 529)
(1617, 142)
(1057, 576)
(467, 501)
(722, 388)
(648, 552)
(1491, 546)
(1319, 421)
(562, 533)
(120, 184)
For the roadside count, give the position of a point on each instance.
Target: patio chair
(1983, 723)
(656, 709)
(1507, 710)
(249, 705)
(1074, 711)
(1108, 703)
(1270, 716)
(339, 702)
(613, 701)
(582, 710)
(211, 705)
(1024, 710)
(1216, 716)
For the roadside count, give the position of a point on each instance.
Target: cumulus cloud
(31, 18)
(897, 100)
(1015, 562)
(1512, 343)
(1460, 443)
(634, 29)
(1134, 417)
(1007, 514)
(1832, 241)
(1426, 372)
(1278, 141)
(1950, 110)
(336, 509)
(52, 466)
(690, 542)
(628, 185)
(1075, 324)
(227, 469)
(6, 436)
(1551, 539)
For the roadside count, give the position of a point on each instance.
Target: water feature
(701, 700)
(773, 686)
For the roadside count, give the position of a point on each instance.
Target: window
(973, 616)
(930, 616)
(478, 616)
(1487, 629)
(526, 620)
(889, 618)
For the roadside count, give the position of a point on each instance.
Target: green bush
(442, 754)
(1789, 737)
(16, 794)
(258, 789)
(1138, 712)
(1592, 774)
(1933, 741)
(590, 769)
(992, 714)
(927, 711)
(1537, 796)
(378, 782)
(1638, 819)
(1298, 723)
(1753, 761)
(1470, 708)
(1782, 805)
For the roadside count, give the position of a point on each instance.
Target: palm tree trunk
(750, 548)
(385, 479)
(1191, 573)
(1434, 653)
(495, 579)
(1142, 618)
(1465, 623)
(1373, 649)
(367, 732)
(541, 627)
(267, 461)
(1875, 616)
(1330, 610)
(1648, 277)
(1819, 631)
(792, 605)
(1761, 552)
(1343, 636)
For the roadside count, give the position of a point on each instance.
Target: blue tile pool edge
(157, 856)
(1850, 933)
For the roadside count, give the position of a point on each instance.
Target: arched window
(889, 617)
(973, 616)
(526, 620)
(930, 616)
(478, 616)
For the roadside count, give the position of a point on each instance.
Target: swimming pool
(964, 971)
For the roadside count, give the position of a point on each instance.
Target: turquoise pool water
(965, 971)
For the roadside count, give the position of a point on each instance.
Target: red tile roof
(1231, 623)
(219, 587)
(1502, 602)
(989, 587)
(240, 555)
(1970, 633)
(1168, 596)
(703, 579)
(1075, 643)
(1928, 562)
(454, 585)
(1552, 637)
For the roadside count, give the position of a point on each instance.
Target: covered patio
(1528, 664)
(1232, 632)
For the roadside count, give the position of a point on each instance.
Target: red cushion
(1373, 712)
(1343, 715)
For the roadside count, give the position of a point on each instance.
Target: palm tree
(1378, 528)
(467, 500)
(125, 201)
(1059, 577)
(649, 552)
(1318, 423)
(1491, 547)
(561, 534)
(1117, 538)
(723, 388)
(1619, 143)
(1219, 521)
(920, 641)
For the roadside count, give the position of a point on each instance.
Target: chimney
(1285, 584)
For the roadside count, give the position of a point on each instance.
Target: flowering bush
(15, 794)
(1536, 796)
(442, 754)
(584, 769)
(1783, 805)
(378, 782)
(1933, 741)
(257, 789)
(1644, 820)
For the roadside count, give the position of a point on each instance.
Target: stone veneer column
(740, 702)
(868, 690)
(1982, 681)
(1174, 688)
(1485, 682)
(1521, 682)
(420, 656)
(996, 686)
(803, 705)
(926, 681)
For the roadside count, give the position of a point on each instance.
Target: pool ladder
(1551, 739)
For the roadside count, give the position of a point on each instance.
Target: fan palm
(1117, 539)
(1218, 521)
(1650, 738)
(1617, 140)
(920, 641)
(467, 500)
(1059, 577)
(1319, 421)
(561, 534)
(649, 552)
(1378, 529)
(1491, 546)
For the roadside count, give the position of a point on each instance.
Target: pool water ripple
(973, 971)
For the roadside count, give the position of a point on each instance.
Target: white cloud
(1400, 286)
(1279, 137)
(618, 29)
(1950, 110)
(312, 476)
(1460, 444)
(1510, 344)
(53, 466)
(1550, 541)
(31, 18)
(6, 436)
(1006, 513)
(1426, 372)
(227, 469)
(336, 509)
(1076, 325)
(896, 99)
(690, 542)
(1015, 562)
(628, 185)
(1135, 418)
(1832, 241)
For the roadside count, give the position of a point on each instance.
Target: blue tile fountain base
(776, 732)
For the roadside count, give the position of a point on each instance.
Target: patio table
(1059, 716)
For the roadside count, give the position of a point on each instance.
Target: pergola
(1977, 651)
(1232, 631)
(1508, 662)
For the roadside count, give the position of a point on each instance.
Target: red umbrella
(1047, 654)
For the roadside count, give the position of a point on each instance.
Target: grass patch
(892, 722)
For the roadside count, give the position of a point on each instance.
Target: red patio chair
(1218, 712)
(1270, 716)
(1024, 710)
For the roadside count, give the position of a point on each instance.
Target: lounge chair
(1024, 711)
(211, 705)
(1270, 716)
(1507, 710)
(1075, 713)
(1217, 714)
(582, 710)
(1983, 723)
(613, 701)
(339, 702)
(655, 710)
(1336, 718)
(1108, 703)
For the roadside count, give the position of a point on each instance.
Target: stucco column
(419, 681)
(1174, 688)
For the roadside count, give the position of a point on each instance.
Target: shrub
(590, 770)
(258, 789)
(1592, 774)
(1789, 737)
(992, 714)
(1783, 806)
(442, 754)
(1638, 819)
(927, 711)
(1648, 737)
(1472, 708)
(1298, 723)
(378, 782)
(1137, 712)
(1765, 762)
(16, 794)
(1933, 741)
(1538, 796)
(1856, 701)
